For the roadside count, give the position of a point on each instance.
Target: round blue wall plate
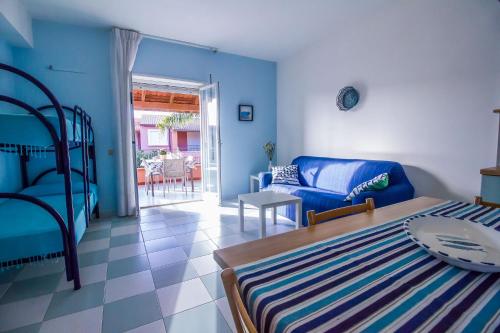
(347, 98)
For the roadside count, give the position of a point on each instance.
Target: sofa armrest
(391, 195)
(265, 178)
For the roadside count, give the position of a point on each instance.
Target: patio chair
(191, 164)
(172, 170)
(150, 172)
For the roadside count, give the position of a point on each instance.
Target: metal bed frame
(61, 148)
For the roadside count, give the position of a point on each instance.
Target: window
(157, 138)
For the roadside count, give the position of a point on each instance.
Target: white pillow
(288, 174)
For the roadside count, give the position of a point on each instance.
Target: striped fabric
(373, 280)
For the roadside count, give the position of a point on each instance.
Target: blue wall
(80, 49)
(9, 164)
(242, 81)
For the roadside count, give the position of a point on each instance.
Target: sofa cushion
(288, 174)
(375, 184)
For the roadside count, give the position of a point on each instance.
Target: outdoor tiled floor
(171, 197)
(153, 274)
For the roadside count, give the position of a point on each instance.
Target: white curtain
(124, 49)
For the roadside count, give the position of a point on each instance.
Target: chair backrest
(174, 168)
(328, 215)
(241, 318)
(342, 175)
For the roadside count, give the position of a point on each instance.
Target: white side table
(269, 199)
(253, 179)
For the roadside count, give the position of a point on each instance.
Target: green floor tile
(126, 239)
(204, 318)
(9, 274)
(71, 301)
(31, 288)
(213, 283)
(130, 313)
(35, 328)
(93, 258)
(127, 266)
(99, 234)
(173, 274)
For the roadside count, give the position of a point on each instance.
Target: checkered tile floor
(153, 274)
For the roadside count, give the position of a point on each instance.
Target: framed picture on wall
(245, 112)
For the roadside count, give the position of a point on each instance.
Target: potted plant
(163, 154)
(269, 148)
(139, 155)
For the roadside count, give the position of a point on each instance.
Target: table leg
(192, 182)
(262, 215)
(298, 214)
(242, 215)
(153, 186)
(274, 215)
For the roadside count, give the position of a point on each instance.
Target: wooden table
(268, 199)
(263, 248)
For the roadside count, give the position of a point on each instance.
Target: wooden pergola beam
(160, 106)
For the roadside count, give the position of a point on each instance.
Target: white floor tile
(166, 257)
(80, 322)
(128, 285)
(22, 313)
(219, 231)
(94, 245)
(88, 275)
(191, 237)
(230, 240)
(224, 308)
(129, 229)
(153, 226)
(204, 265)
(125, 251)
(154, 327)
(182, 296)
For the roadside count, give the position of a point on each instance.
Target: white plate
(466, 244)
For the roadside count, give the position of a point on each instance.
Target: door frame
(217, 138)
(133, 143)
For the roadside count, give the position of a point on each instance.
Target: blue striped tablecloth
(373, 280)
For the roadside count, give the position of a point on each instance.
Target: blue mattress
(27, 230)
(13, 129)
(57, 188)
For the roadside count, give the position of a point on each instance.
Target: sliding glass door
(210, 141)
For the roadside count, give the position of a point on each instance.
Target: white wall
(428, 73)
(15, 23)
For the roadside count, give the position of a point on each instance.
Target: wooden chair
(328, 215)
(479, 201)
(240, 314)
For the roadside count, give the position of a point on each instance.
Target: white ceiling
(266, 29)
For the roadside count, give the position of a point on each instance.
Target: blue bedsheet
(27, 230)
(57, 188)
(13, 129)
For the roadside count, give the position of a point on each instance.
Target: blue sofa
(325, 182)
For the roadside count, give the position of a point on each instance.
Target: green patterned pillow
(378, 183)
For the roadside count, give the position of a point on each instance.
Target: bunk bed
(48, 216)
